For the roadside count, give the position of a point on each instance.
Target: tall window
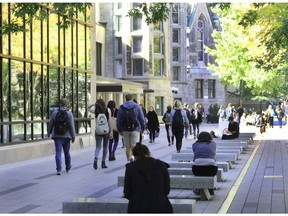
(199, 88)
(118, 23)
(119, 45)
(175, 13)
(158, 45)
(137, 67)
(176, 73)
(136, 23)
(176, 54)
(211, 88)
(158, 67)
(137, 44)
(39, 67)
(159, 105)
(98, 59)
(200, 39)
(158, 26)
(176, 36)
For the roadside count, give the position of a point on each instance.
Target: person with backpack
(167, 120)
(103, 131)
(196, 118)
(179, 121)
(280, 114)
(62, 130)
(130, 123)
(152, 124)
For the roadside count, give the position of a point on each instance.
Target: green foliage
(25, 13)
(153, 13)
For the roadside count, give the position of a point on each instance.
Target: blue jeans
(115, 140)
(65, 144)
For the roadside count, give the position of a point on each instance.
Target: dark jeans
(195, 125)
(233, 136)
(170, 137)
(152, 134)
(115, 140)
(280, 122)
(65, 144)
(178, 133)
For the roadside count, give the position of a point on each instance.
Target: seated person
(147, 183)
(204, 162)
(233, 130)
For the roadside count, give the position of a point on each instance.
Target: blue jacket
(71, 130)
(138, 113)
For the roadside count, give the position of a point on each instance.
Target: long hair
(141, 152)
(100, 106)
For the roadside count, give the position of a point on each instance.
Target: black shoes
(103, 165)
(95, 163)
(112, 158)
(69, 169)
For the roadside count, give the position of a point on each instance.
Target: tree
(154, 12)
(238, 51)
(25, 13)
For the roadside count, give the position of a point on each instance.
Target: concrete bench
(203, 183)
(243, 144)
(188, 171)
(228, 157)
(240, 148)
(222, 165)
(118, 205)
(236, 151)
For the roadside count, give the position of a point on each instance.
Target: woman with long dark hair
(113, 141)
(100, 108)
(147, 183)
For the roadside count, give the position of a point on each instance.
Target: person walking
(113, 142)
(204, 162)
(147, 183)
(196, 119)
(152, 124)
(103, 130)
(167, 120)
(188, 113)
(280, 114)
(130, 123)
(270, 116)
(229, 111)
(179, 120)
(62, 130)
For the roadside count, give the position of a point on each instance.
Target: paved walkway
(255, 185)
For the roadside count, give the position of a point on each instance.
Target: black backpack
(178, 121)
(128, 119)
(61, 122)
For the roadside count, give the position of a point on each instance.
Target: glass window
(176, 73)
(175, 38)
(159, 107)
(158, 67)
(199, 88)
(176, 54)
(137, 44)
(200, 38)
(211, 88)
(137, 67)
(137, 23)
(118, 23)
(98, 59)
(119, 45)
(175, 13)
(158, 45)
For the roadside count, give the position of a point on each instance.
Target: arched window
(200, 38)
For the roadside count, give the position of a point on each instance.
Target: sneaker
(58, 172)
(69, 169)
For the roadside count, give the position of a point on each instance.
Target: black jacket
(147, 196)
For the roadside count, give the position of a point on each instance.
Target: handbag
(113, 122)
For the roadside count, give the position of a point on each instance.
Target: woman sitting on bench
(204, 162)
(147, 183)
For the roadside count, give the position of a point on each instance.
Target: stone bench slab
(236, 151)
(222, 165)
(203, 183)
(118, 205)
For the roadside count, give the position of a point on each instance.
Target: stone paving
(257, 184)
